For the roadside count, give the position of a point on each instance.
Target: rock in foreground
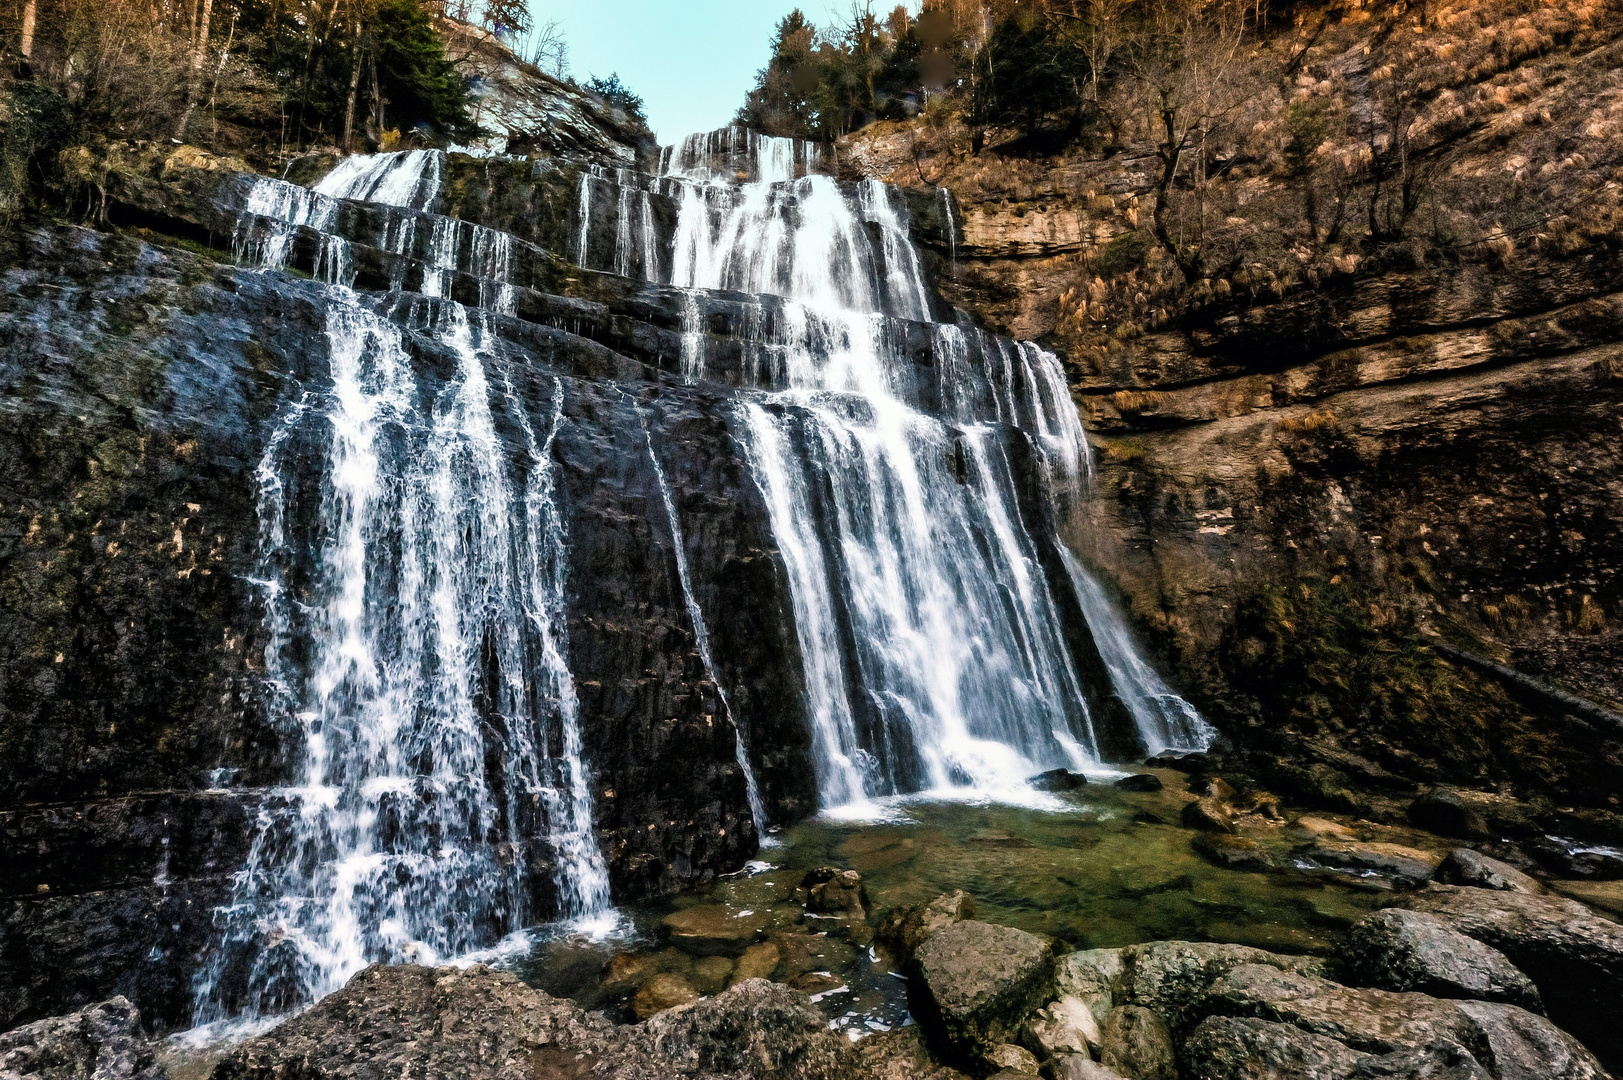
(99, 1042)
(1397, 949)
(486, 1025)
(980, 982)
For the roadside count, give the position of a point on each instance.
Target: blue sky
(691, 60)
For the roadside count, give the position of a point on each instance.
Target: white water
(405, 178)
(419, 665)
(914, 574)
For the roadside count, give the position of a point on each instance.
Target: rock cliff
(1337, 448)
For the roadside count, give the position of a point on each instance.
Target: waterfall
(935, 652)
(409, 178)
(422, 672)
(1167, 721)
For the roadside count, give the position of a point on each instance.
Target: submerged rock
(99, 1042)
(1234, 852)
(757, 962)
(1398, 949)
(1140, 782)
(1404, 867)
(977, 983)
(713, 929)
(665, 990)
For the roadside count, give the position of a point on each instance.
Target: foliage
(618, 95)
(1027, 72)
(267, 76)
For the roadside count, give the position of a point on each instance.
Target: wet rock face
(139, 383)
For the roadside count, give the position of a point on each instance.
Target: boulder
(1174, 978)
(977, 983)
(1140, 782)
(1065, 1026)
(1604, 896)
(713, 929)
(831, 891)
(1135, 1043)
(102, 1041)
(1398, 949)
(1573, 956)
(1443, 812)
(909, 927)
(1234, 852)
(1462, 866)
(1209, 815)
(756, 1029)
(1236, 1048)
(1404, 867)
(1007, 1057)
(1407, 1027)
(1058, 780)
(665, 990)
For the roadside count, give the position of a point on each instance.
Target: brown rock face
(1313, 454)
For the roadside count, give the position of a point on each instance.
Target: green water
(1103, 868)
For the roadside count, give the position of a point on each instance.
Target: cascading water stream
(420, 659)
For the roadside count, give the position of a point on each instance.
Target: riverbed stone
(1209, 815)
(1233, 852)
(1573, 956)
(1397, 949)
(660, 991)
(1463, 866)
(625, 972)
(755, 1029)
(710, 974)
(1135, 1042)
(901, 1054)
(978, 982)
(1404, 867)
(1324, 828)
(713, 929)
(1140, 782)
(757, 962)
(832, 891)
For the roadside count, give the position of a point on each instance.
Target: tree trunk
(354, 86)
(193, 83)
(28, 28)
